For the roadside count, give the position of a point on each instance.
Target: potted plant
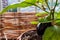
(51, 31)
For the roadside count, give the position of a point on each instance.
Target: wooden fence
(16, 21)
(13, 24)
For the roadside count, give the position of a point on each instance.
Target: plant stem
(47, 4)
(53, 11)
(52, 16)
(55, 4)
(41, 9)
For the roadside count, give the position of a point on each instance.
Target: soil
(31, 35)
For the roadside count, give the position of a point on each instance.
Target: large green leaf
(21, 5)
(31, 1)
(48, 33)
(52, 33)
(42, 1)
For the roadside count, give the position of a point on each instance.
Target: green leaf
(51, 34)
(21, 5)
(34, 22)
(48, 33)
(58, 16)
(41, 19)
(41, 14)
(31, 1)
(38, 14)
(57, 22)
(41, 1)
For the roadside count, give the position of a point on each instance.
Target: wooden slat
(26, 18)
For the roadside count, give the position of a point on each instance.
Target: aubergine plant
(51, 33)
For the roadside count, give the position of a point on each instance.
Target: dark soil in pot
(30, 35)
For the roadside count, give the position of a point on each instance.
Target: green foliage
(34, 22)
(52, 33)
(40, 14)
(57, 22)
(23, 4)
(42, 1)
(31, 1)
(40, 19)
(43, 20)
(58, 16)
